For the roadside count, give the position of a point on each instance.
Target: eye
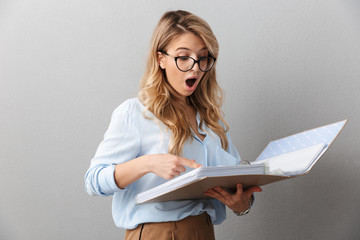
(183, 58)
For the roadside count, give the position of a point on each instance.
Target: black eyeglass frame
(195, 61)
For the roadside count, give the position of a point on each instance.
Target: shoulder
(131, 107)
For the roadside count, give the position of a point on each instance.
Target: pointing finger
(189, 163)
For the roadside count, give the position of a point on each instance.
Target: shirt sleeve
(121, 143)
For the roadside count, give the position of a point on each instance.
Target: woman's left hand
(239, 201)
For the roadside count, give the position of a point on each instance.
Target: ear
(161, 60)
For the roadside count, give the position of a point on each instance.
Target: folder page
(293, 163)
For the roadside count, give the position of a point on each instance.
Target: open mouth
(190, 82)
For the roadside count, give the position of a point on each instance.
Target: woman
(174, 125)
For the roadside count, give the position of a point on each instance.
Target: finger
(221, 195)
(215, 194)
(223, 192)
(189, 163)
(252, 189)
(180, 168)
(239, 188)
(209, 193)
(175, 170)
(168, 176)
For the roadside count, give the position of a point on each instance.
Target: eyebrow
(187, 49)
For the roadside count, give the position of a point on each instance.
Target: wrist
(146, 161)
(242, 213)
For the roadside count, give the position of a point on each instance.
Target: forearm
(166, 166)
(128, 172)
(104, 179)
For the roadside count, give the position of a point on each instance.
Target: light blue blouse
(131, 135)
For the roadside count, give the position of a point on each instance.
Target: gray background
(286, 66)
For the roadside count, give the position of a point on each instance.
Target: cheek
(173, 75)
(202, 76)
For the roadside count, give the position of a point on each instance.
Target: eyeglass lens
(187, 63)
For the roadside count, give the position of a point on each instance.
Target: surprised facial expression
(190, 45)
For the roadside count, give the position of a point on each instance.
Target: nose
(196, 66)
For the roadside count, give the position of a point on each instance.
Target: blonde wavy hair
(164, 102)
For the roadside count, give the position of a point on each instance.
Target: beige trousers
(191, 228)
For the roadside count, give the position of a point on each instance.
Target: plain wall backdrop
(285, 66)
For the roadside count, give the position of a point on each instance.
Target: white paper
(293, 163)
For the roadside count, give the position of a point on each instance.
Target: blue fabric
(131, 135)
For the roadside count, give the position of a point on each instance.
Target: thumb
(253, 189)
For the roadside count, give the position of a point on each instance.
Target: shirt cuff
(106, 177)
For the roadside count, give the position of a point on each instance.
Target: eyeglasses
(185, 63)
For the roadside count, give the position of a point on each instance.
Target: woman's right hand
(168, 166)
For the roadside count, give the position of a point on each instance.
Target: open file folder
(282, 159)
